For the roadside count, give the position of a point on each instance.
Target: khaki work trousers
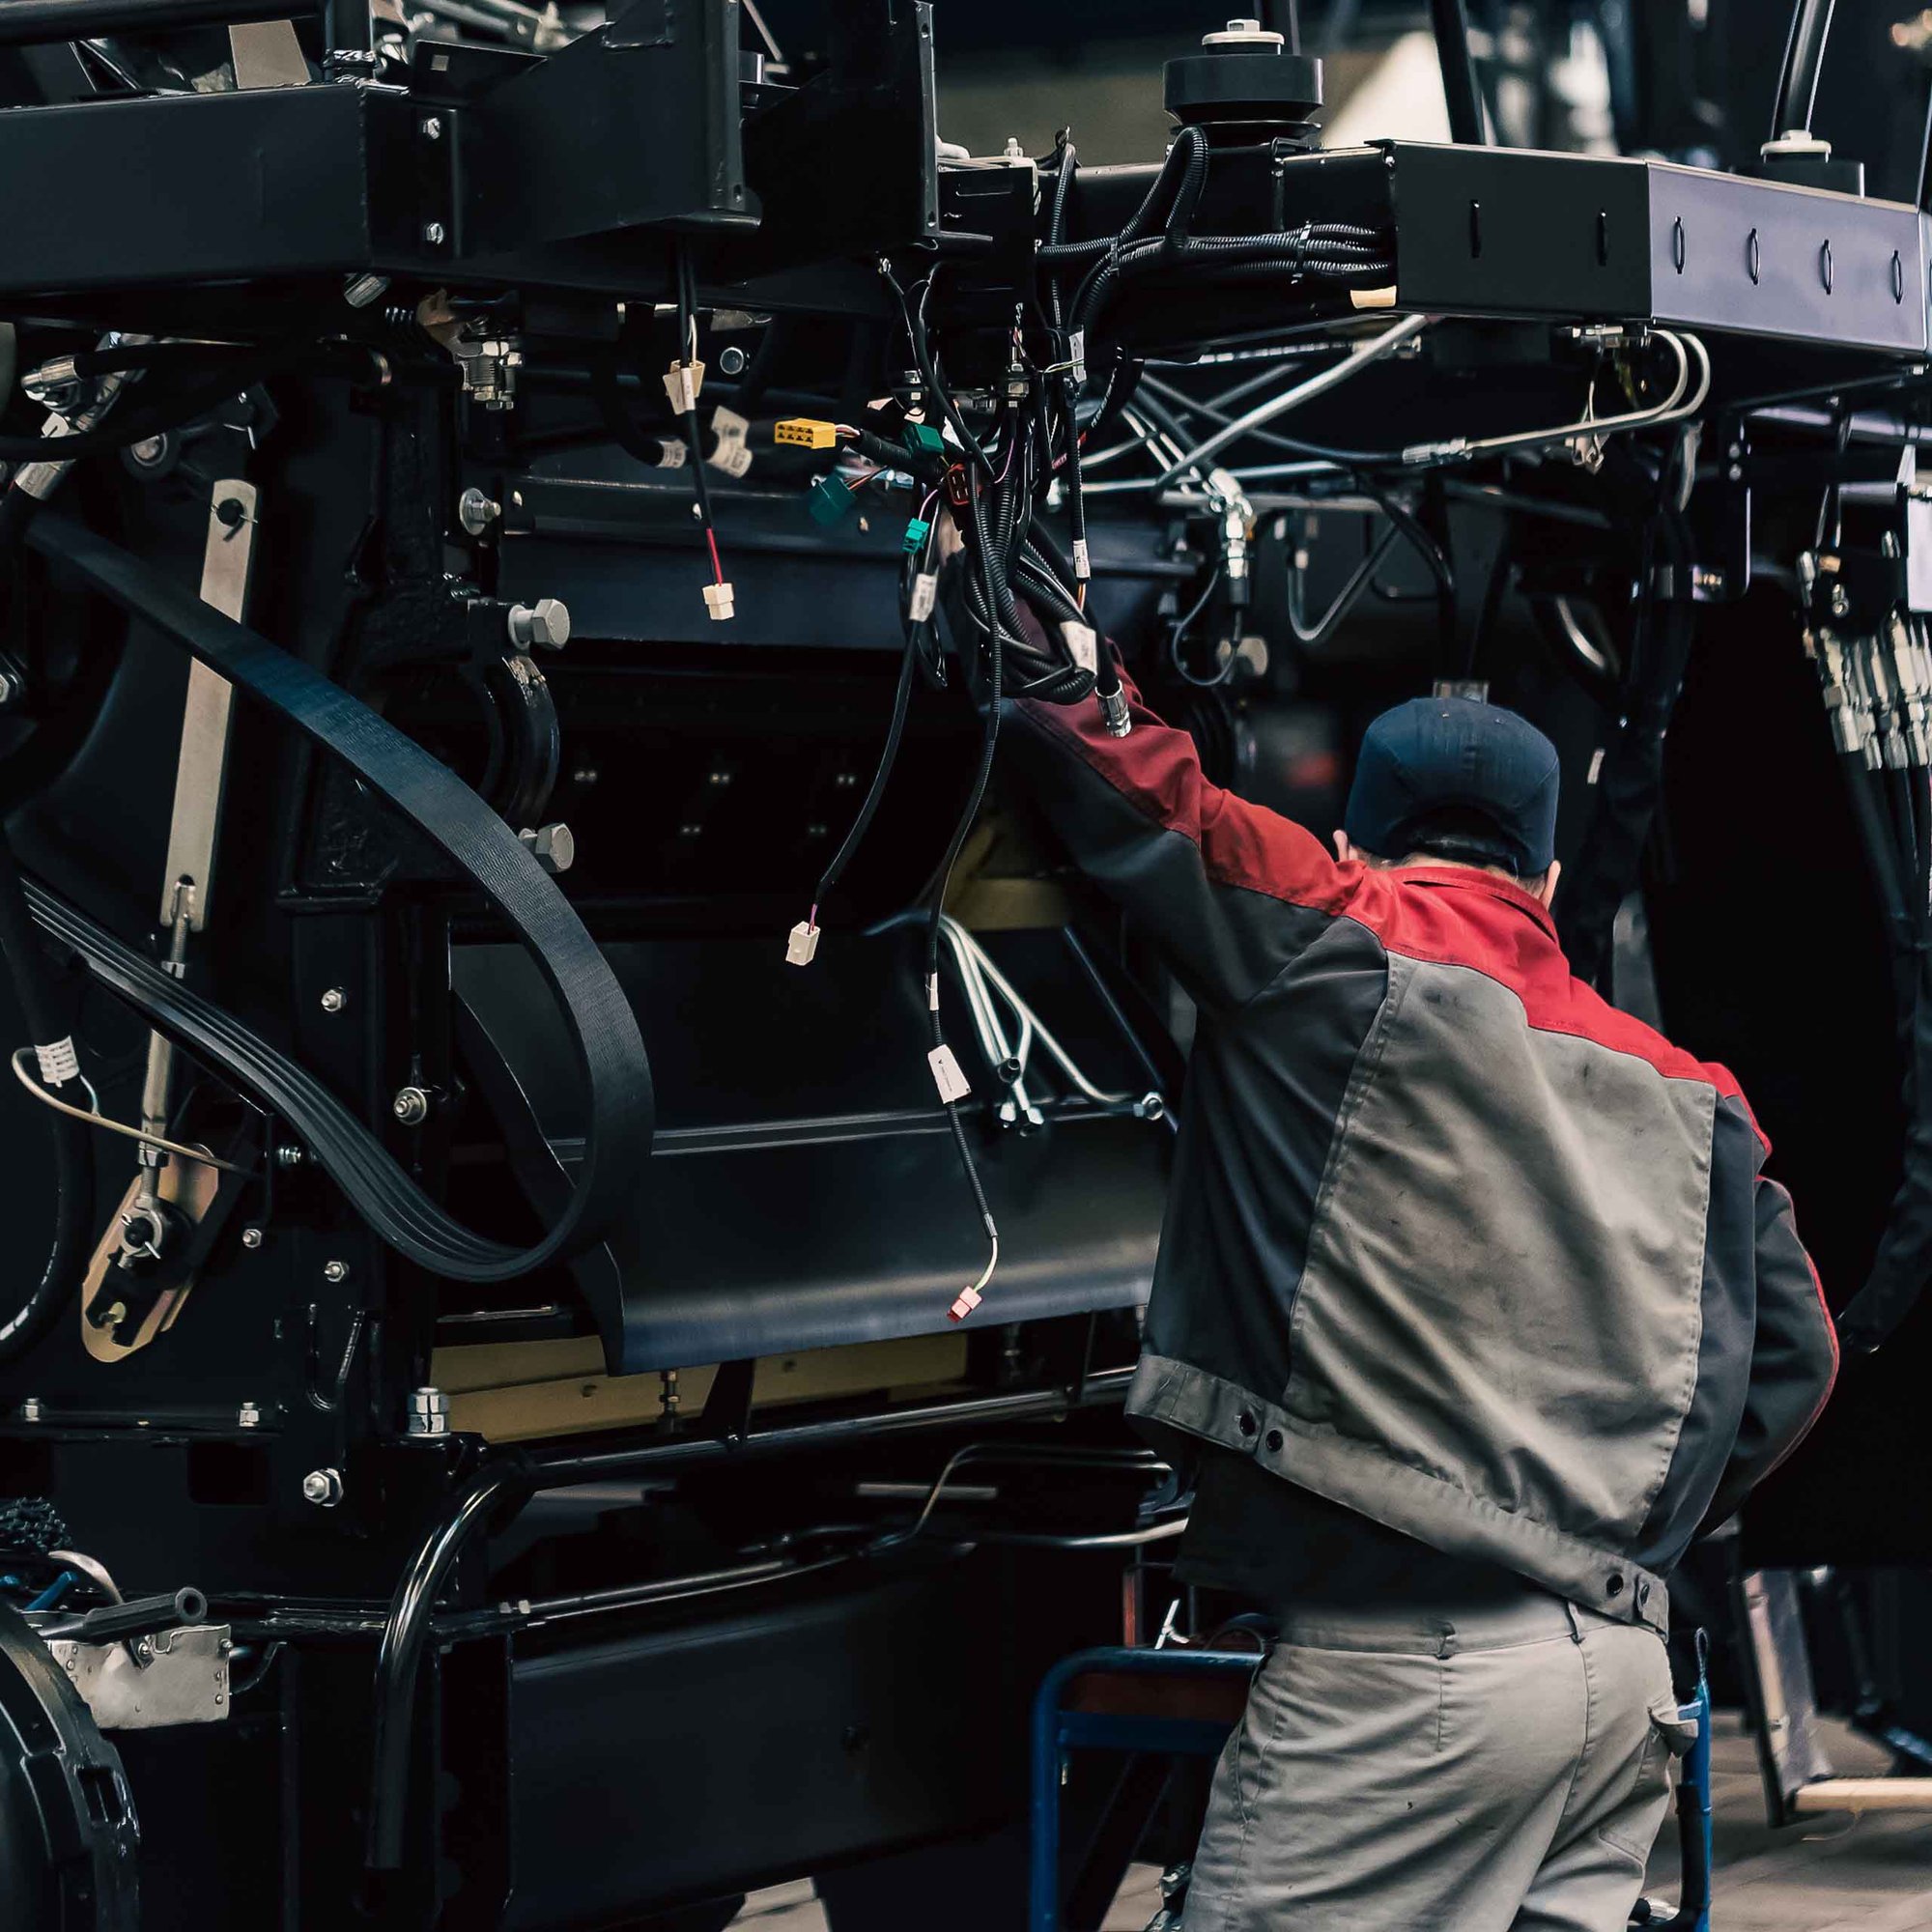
(1396, 1771)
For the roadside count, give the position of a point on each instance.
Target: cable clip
(59, 1061)
(682, 383)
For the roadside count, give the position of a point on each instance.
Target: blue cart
(1184, 1703)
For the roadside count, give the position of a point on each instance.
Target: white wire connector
(734, 453)
(924, 596)
(1083, 645)
(946, 1076)
(1083, 563)
(1076, 353)
(683, 380)
(721, 601)
(673, 452)
(59, 1061)
(968, 1298)
(803, 944)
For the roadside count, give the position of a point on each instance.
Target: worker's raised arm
(1229, 890)
(1794, 1354)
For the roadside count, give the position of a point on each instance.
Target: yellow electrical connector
(805, 432)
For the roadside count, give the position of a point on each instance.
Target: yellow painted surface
(510, 1391)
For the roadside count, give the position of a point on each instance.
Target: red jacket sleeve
(1229, 890)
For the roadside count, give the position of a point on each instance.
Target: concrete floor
(1873, 1874)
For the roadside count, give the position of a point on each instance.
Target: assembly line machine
(520, 1406)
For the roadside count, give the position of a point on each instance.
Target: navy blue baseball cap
(1453, 776)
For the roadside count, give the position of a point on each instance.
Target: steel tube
(515, 1479)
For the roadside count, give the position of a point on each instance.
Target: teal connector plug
(916, 532)
(923, 439)
(830, 501)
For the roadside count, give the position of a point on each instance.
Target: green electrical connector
(830, 501)
(916, 532)
(923, 439)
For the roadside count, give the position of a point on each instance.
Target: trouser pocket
(1631, 1826)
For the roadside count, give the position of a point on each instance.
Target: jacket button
(1613, 1585)
(1247, 1422)
(1642, 1594)
(1273, 1438)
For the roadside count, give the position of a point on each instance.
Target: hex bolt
(432, 128)
(434, 233)
(553, 846)
(335, 1272)
(476, 511)
(248, 1416)
(323, 1488)
(31, 1409)
(410, 1107)
(545, 623)
(251, 1237)
(334, 999)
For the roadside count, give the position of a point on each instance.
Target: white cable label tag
(953, 1084)
(1083, 564)
(672, 453)
(682, 383)
(733, 454)
(932, 992)
(1083, 643)
(59, 1061)
(925, 595)
(1076, 353)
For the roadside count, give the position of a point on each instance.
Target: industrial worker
(1473, 1307)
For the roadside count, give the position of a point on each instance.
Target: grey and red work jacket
(1452, 1243)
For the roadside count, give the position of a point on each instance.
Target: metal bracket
(181, 1677)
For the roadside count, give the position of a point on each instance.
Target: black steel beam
(23, 22)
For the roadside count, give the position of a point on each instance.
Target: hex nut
(553, 846)
(323, 1488)
(543, 624)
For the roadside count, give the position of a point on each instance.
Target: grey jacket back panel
(1451, 1242)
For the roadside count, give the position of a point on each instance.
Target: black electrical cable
(1804, 62)
(47, 1298)
(1432, 553)
(686, 349)
(882, 772)
(1458, 72)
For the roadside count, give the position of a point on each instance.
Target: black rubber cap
(1219, 84)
